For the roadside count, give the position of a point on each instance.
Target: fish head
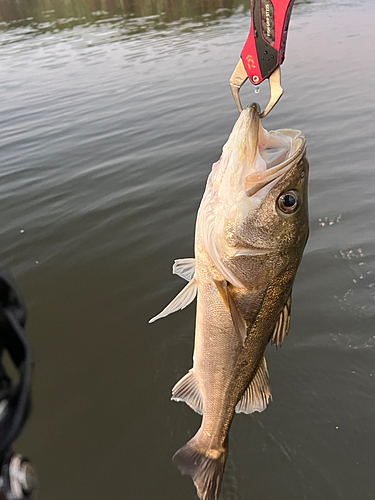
(257, 198)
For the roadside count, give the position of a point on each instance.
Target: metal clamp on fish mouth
(264, 50)
(239, 77)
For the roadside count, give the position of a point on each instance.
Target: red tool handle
(264, 49)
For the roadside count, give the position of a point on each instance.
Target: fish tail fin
(206, 467)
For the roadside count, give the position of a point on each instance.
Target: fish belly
(216, 353)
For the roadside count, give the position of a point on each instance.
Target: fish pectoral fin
(185, 268)
(187, 390)
(238, 321)
(258, 393)
(181, 300)
(282, 324)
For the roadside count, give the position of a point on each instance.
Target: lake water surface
(111, 114)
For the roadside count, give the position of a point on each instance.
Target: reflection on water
(139, 15)
(55, 14)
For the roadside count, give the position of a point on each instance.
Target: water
(111, 116)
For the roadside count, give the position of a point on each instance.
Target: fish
(251, 230)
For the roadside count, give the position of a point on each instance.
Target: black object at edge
(12, 338)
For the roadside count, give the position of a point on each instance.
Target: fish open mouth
(274, 154)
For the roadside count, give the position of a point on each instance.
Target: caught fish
(251, 229)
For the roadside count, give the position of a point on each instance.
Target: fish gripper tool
(264, 50)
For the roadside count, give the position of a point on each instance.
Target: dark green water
(111, 115)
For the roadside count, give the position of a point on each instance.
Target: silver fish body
(251, 229)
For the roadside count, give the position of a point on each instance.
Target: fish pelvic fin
(238, 321)
(182, 300)
(206, 467)
(185, 268)
(258, 393)
(187, 390)
(282, 324)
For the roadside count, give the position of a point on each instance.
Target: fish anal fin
(282, 324)
(182, 300)
(238, 321)
(185, 268)
(258, 393)
(187, 390)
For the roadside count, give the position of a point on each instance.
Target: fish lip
(280, 170)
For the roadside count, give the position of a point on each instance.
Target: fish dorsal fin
(238, 321)
(185, 268)
(181, 300)
(187, 390)
(282, 324)
(258, 393)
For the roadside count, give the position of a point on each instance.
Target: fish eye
(289, 202)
